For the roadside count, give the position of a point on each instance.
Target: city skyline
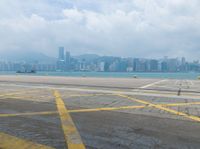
(24, 56)
(88, 62)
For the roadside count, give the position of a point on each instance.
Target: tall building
(67, 61)
(129, 65)
(61, 53)
(139, 65)
(102, 66)
(183, 61)
(67, 57)
(83, 65)
(172, 64)
(164, 66)
(183, 64)
(153, 65)
(136, 64)
(61, 59)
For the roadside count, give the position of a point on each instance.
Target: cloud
(135, 28)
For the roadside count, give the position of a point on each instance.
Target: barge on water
(26, 71)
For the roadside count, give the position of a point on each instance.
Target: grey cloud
(147, 28)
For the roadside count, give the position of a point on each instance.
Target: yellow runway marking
(29, 114)
(106, 109)
(11, 142)
(72, 136)
(96, 109)
(17, 97)
(18, 92)
(195, 118)
(85, 95)
(72, 111)
(179, 104)
(24, 97)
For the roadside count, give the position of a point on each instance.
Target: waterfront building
(61, 60)
(102, 66)
(61, 53)
(67, 61)
(153, 65)
(172, 64)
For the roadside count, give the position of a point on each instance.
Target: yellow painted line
(195, 118)
(72, 136)
(86, 95)
(77, 95)
(131, 107)
(24, 97)
(16, 97)
(18, 92)
(29, 114)
(96, 109)
(106, 109)
(11, 142)
(71, 111)
(180, 104)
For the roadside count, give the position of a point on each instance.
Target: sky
(126, 28)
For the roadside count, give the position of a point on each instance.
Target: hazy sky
(135, 28)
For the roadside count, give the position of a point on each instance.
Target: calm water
(190, 75)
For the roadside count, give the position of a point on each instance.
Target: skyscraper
(67, 61)
(61, 60)
(67, 57)
(61, 53)
(153, 65)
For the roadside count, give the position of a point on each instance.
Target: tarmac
(98, 113)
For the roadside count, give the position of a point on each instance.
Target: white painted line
(152, 84)
(168, 87)
(176, 83)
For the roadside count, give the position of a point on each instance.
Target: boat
(26, 71)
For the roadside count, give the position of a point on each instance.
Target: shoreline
(129, 75)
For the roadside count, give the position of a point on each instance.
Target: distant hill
(27, 56)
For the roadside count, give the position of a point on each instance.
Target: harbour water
(189, 75)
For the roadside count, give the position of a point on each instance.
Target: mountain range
(27, 56)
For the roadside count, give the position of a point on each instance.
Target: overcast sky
(129, 28)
